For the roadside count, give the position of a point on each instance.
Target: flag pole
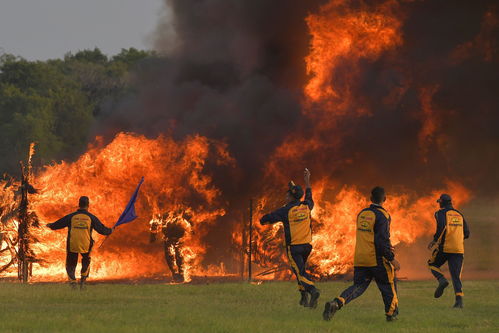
(105, 239)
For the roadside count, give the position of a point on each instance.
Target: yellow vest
(79, 234)
(454, 232)
(365, 251)
(299, 224)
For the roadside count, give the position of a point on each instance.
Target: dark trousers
(298, 255)
(384, 275)
(455, 261)
(72, 261)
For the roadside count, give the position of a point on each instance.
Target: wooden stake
(24, 254)
(23, 229)
(250, 236)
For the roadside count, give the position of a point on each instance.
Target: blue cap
(295, 190)
(445, 198)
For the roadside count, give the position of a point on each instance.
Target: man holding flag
(80, 225)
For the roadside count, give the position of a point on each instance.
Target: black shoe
(304, 299)
(72, 284)
(442, 284)
(459, 302)
(393, 317)
(330, 309)
(313, 299)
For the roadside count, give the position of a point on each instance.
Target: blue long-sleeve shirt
(442, 222)
(296, 219)
(80, 225)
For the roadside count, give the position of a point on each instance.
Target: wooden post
(23, 229)
(244, 248)
(24, 254)
(250, 236)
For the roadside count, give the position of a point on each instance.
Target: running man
(373, 259)
(448, 241)
(296, 219)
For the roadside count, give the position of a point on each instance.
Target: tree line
(56, 102)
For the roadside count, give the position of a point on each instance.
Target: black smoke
(232, 71)
(453, 48)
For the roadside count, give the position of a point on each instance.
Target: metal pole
(250, 238)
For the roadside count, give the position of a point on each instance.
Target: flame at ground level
(176, 180)
(347, 39)
(334, 221)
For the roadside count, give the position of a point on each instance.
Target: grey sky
(43, 29)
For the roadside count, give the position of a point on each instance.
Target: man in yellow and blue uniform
(296, 219)
(373, 259)
(452, 230)
(80, 225)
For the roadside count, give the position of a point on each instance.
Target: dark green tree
(55, 103)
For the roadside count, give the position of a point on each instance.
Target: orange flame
(342, 34)
(174, 173)
(342, 37)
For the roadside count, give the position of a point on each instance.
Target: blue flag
(128, 214)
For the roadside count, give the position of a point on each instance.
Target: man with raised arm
(296, 219)
(80, 225)
(373, 259)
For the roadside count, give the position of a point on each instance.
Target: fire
(8, 224)
(178, 187)
(175, 178)
(334, 219)
(340, 36)
(411, 218)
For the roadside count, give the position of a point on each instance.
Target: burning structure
(16, 221)
(363, 93)
(8, 226)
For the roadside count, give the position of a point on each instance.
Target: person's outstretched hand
(306, 175)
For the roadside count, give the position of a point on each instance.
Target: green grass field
(238, 307)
